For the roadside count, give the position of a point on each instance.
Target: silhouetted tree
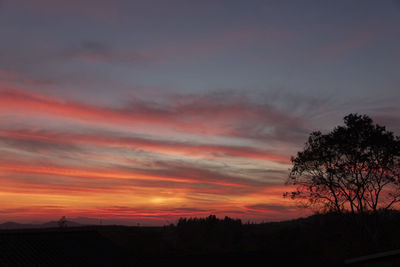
(355, 168)
(209, 233)
(62, 223)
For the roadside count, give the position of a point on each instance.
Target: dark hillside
(326, 240)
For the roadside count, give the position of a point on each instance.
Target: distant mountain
(51, 224)
(14, 225)
(54, 224)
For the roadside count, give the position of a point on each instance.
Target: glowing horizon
(86, 170)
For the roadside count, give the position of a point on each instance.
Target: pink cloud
(39, 138)
(201, 115)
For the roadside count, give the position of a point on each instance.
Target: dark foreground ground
(320, 240)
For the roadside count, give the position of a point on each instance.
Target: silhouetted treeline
(209, 234)
(210, 222)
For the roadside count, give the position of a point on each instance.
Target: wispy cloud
(202, 115)
(39, 140)
(13, 77)
(100, 52)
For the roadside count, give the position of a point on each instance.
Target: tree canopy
(355, 168)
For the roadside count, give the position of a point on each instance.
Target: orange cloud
(159, 146)
(24, 103)
(85, 176)
(104, 174)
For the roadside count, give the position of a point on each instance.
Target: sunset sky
(147, 111)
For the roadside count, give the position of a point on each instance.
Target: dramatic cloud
(203, 115)
(146, 111)
(39, 140)
(92, 161)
